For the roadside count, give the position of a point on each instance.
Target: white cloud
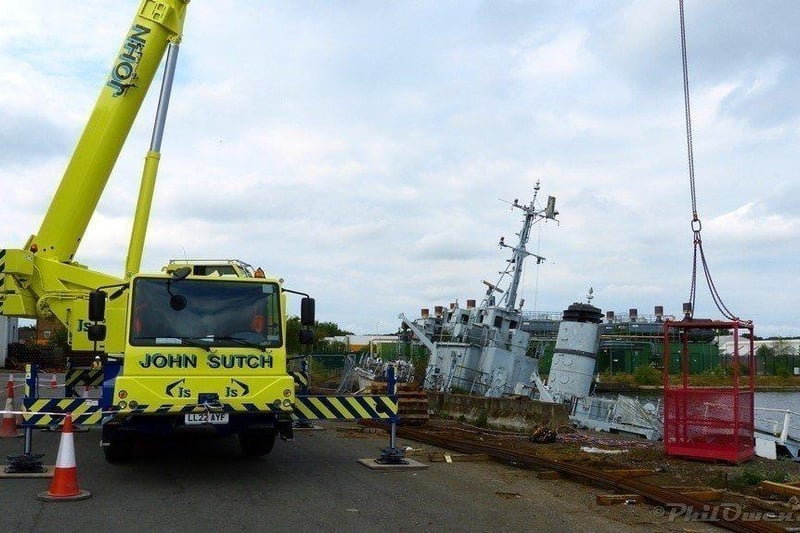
(556, 61)
(754, 225)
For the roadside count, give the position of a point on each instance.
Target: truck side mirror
(97, 307)
(96, 332)
(306, 336)
(307, 312)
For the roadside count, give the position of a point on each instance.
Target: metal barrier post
(69, 384)
(304, 370)
(303, 424)
(785, 430)
(27, 462)
(31, 393)
(392, 454)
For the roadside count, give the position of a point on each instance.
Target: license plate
(205, 418)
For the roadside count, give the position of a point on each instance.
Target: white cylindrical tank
(575, 353)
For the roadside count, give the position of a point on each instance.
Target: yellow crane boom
(43, 279)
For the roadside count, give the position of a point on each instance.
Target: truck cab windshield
(217, 312)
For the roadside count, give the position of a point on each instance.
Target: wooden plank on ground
(414, 452)
(779, 488)
(457, 457)
(704, 494)
(612, 499)
(769, 505)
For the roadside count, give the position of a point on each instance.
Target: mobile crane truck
(200, 345)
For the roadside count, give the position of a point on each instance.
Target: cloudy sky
(361, 149)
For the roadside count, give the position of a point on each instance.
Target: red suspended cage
(709, 423)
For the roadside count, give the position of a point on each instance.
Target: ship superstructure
(483, 349)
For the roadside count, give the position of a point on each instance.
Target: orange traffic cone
(64, 486)
(8, 428)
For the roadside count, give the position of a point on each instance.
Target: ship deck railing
(777, 422)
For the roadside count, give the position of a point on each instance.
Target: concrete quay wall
(512, 414)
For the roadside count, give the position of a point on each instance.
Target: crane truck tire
(256, 442)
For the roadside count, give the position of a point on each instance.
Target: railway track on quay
(665, 498)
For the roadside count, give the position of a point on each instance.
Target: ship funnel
(687, 309)
(659, 312)
(609, 316)
(578, 312)
(438, 310)
(452, 305)
(632, 314)
(424, 313)
(575, 352)
(470, 304)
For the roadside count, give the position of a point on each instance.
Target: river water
(771, 400)
(768, 400)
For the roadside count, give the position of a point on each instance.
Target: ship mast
(532, 215)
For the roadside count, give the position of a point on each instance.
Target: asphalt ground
(314, 483)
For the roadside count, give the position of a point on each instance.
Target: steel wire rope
(696, 224)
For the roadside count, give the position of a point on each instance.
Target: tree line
(321, 331)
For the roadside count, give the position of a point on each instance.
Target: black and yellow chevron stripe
(88, 412)
(345, 407)
(173, 409)
(2, 277)
(85, 413)
(84, 376)
(300, 379)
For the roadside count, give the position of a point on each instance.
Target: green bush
(751, 476)
(647, 375)
(783, 371)
(719, 371)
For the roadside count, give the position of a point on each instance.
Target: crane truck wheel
(256, 442)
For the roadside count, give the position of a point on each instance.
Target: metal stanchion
(304, 370)
(303, 424)
(392, 455)
(27, 463)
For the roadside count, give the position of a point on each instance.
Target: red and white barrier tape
(4, 412)
(207, 406)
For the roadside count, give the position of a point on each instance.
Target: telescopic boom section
(156, 25)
